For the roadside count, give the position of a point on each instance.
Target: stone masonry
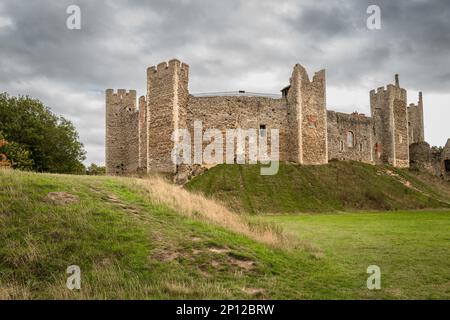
(141, 140)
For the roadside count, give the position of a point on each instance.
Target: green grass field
(412, 249)
(131, 243)
(337, 186)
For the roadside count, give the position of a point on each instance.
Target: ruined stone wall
(307, 117)
(434, 160)
(415, 122)
(445, 161)
(228, 112)
(390, 119)
(358, 127)
(420, 156)
(167, 96)
(122, 138)
(142, 134)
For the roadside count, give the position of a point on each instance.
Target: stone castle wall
(350, 136)
(223, 113)
(141, 139)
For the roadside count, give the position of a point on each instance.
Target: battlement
(165, 68)
(356, 116)
(389, 91)
(122, 99)
(121, 93)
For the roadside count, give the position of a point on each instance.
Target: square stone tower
(307, 117)
(167, 99)
(122, 140)
(390, 118)
(415, 122)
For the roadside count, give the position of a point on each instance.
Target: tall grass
(196, 205)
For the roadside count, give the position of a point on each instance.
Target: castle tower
(121, 143)
(167, 98)
(390, 118)
(415, 122)
(307, 117)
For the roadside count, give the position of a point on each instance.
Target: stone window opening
(262, 130)
(400, 138)
(378, 150)
(360, 147)
(350, 139)
(447, 165)
(341, 146)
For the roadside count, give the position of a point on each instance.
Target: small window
(350, 139)
(341, 146)
(262, 130)
(400, 138)
(360, 147)
(447, 165)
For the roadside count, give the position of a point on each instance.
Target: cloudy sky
(229, 45)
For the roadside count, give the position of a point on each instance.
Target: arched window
(350, 139)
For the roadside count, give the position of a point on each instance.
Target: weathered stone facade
(434, 160)
(390, 123)
(142, 140)
(350, 136)
(415, 122)
(445, 161)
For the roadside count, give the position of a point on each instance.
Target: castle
(139, 139)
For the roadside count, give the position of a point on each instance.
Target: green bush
(33, 131)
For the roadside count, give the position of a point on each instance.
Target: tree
(52, 141)
(95, 170)
(14, 155)
(4, 161)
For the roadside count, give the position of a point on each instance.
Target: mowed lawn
(412, 249)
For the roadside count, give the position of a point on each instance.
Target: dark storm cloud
(229, 45)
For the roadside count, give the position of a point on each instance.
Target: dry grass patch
(195, 205)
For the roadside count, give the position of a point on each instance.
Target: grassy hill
(149, 239)
(336, 186)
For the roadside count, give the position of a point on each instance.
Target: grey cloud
(226, 43)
